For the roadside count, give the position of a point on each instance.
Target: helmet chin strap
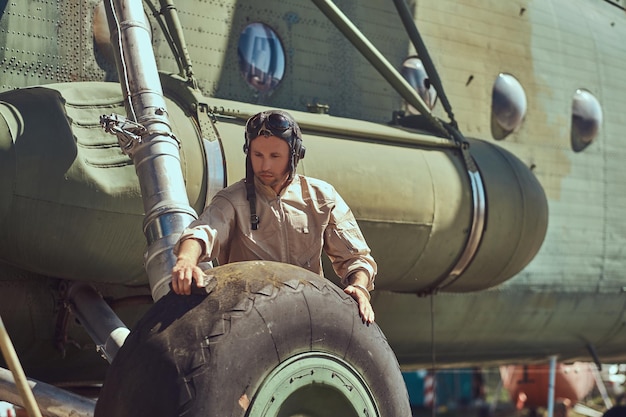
(251, 194)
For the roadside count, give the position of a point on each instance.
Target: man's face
(270, 158)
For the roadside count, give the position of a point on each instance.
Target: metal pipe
(356, 130)
(422, 52)
(10, 356)
(369, 51)
(54, 402)
(168, 37)
(99, 320)
(551, 386)
(155, 150)
(168, 10)
(601, 387)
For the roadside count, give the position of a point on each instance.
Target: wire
(122, 67)
(168, 37)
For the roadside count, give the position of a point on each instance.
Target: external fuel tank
(71, 208)
(413, 199)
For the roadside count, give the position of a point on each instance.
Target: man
(276, 215)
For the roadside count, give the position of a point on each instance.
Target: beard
(270, 179)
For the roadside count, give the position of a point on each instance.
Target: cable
(122, 67)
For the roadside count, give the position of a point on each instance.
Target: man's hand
(358, 290)
(365, 308)
(182, 274)
(186, 267)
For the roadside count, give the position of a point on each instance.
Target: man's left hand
(365, 307)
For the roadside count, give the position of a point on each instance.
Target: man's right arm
(203, 240)
(186, 267)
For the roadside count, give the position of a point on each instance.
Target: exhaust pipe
(38, 398)
(146, 136)
(99, 320)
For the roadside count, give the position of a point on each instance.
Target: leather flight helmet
(277, 123)
(268, 123)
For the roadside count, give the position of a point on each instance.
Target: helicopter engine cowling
(70, 204)
(71, 207)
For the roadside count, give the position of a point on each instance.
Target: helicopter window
(508, 106)
(413, 71)
(586, 119)
(261, 57)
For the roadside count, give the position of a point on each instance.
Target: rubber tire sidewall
(208, 356)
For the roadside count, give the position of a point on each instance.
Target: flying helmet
(268, 123)
(277, 123)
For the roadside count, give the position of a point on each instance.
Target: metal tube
(10, 356)
(54, 402)
(422, 52)
(98, 319)
(357, 129)
(551, 386)
(168, 10)
(156, 155)
(601, 387)
(369, 51)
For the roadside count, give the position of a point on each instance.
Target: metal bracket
(64, 315)
(129, 133)
(207, 120)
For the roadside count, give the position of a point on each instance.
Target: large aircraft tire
(269, 340)
(615, 411)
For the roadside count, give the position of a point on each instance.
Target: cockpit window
(261, 57)
(508, 106)
(586, 119)
(413, 71)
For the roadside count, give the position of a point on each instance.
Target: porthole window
(508, 106)
(413, 71)
(261, 57)
(586, 119)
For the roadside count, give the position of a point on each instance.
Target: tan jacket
(308, 216)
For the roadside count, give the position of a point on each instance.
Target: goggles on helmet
(270, 124)
(276, 123)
